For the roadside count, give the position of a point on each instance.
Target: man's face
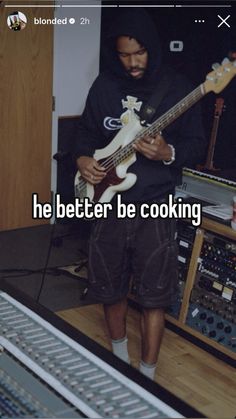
(133, 56)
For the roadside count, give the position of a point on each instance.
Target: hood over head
(137, 24)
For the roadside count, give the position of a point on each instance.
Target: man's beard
(133, 70)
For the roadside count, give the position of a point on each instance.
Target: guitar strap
(148, 111)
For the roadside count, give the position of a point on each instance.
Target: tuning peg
(215, 66)
(225, 61)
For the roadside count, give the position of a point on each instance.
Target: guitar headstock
(219, 106)
(218, 79)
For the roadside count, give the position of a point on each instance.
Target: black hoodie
(114, 94)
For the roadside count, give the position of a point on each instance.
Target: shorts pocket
(161, 270)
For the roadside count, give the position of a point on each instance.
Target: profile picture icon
(17, 21)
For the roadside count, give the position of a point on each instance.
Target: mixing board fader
(23, 395)
(66, 378)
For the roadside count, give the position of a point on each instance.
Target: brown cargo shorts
(142, 249)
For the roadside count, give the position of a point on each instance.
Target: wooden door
(26, 65)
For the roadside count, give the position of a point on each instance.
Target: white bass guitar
(117, 156)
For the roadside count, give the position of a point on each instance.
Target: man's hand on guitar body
(90, 170)
(154, 148)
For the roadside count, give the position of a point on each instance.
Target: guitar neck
(182, 106)
(209, 161)
(161, 123)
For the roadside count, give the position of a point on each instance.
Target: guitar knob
(215, 66)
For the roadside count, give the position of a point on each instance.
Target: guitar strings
(155, 128)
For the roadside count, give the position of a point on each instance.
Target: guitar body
(117, 178)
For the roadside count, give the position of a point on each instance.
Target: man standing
(142, 248)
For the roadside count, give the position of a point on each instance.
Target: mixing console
(23, 395)
(44, 373)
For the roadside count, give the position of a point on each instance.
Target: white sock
(147, 369)
(120, 349)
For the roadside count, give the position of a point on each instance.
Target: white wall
(76, 65)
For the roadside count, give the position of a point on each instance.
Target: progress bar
(121, 5)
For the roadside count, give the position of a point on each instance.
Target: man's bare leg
(152, 329)
(115, 315)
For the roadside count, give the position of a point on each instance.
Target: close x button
(223, 21)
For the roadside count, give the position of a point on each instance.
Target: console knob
(203, 316)
(228, 329)
(204, 330)
(210, 320)
(220, 325)
(212, 334)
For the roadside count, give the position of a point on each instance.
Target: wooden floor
(192, 374)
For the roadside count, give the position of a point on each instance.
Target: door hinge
(53, 103)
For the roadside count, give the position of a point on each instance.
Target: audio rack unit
(185, 240)
(208, 276)
(212, 309)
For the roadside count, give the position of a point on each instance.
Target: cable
(46, 263)
(53, 270)
(27, 272)
(22, 272)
